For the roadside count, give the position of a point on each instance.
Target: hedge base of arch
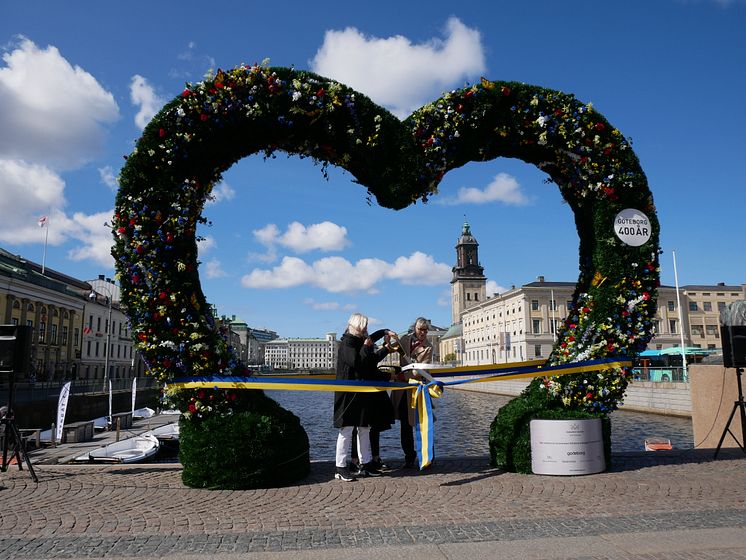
(265, 447)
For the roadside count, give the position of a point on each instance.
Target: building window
(537, 350)
(692, 306)
(534, 305)
(671, 306)
(42, 331)
(98, 324)
(697, 330)
(672, 325)
(64, 335)
(537, 326)
(721, 306)
(53, 334)
(476, 297)
(707, 306)
(468, 296)
(97, 349)
(712, 330)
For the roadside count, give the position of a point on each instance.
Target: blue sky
(294, 252)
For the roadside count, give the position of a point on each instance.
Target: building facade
(53, 305)
(108, 351)
(303, 354)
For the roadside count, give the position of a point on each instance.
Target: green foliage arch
(251, 109)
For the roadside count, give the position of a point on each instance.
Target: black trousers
(407, 433)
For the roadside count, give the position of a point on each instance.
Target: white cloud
(396, 73)
(325, 236)
(192, 63)
(503, 188)
(95, 236)
(143, 95)
(213, 269)
(53, 113)
(495, 288)
(221, 192)
(322, 306)
(336, 274)
(109, 177)
(421, 269)
(28, 192)
(206, 244)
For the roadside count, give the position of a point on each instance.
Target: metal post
(108, 346)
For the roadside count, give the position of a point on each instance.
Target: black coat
(357, 362)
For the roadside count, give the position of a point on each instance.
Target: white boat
(131, 450)
(143, 413)
(658, 444)
(167, 432)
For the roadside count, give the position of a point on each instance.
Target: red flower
(600, 126)
(320, 93)
(192, 408)
(645, 296)
(161, 132)
(186, 93)
(506, 91)
(203, 117)
(200, 394)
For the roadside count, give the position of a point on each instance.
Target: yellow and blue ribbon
(422, 392)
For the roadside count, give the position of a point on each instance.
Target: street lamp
(93, 297)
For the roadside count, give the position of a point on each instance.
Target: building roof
(454, 331)
(15, 266)
(711, 287)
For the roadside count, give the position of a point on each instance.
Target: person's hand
(368, 341)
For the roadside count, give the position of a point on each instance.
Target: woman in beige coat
(414, 348)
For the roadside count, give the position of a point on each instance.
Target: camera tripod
(12, 438)
(740, 404)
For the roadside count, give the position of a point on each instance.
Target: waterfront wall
(41, 413)
(669, 398)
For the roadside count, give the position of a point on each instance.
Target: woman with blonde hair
(357, 359)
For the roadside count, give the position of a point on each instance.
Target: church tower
(468, 285)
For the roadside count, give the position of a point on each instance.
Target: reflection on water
(463, 422)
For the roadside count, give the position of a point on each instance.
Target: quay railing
(42, 390)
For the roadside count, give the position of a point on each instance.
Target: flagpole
(44, 222)
(681, 318)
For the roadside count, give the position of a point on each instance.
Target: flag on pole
(62, 410)
(43, 221)
(134, 394)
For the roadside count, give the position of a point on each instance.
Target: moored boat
(130, 450)
(658, 444)
(167, 432)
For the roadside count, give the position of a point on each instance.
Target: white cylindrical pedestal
(567, 447)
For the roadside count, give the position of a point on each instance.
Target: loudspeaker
(734, 345)
(15, 348)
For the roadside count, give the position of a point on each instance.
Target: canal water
(463, 421)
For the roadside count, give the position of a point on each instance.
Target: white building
(303, 354)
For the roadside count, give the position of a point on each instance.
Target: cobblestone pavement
(145, 512)
(460, 504)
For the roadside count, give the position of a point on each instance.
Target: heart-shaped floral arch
(201, 133)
